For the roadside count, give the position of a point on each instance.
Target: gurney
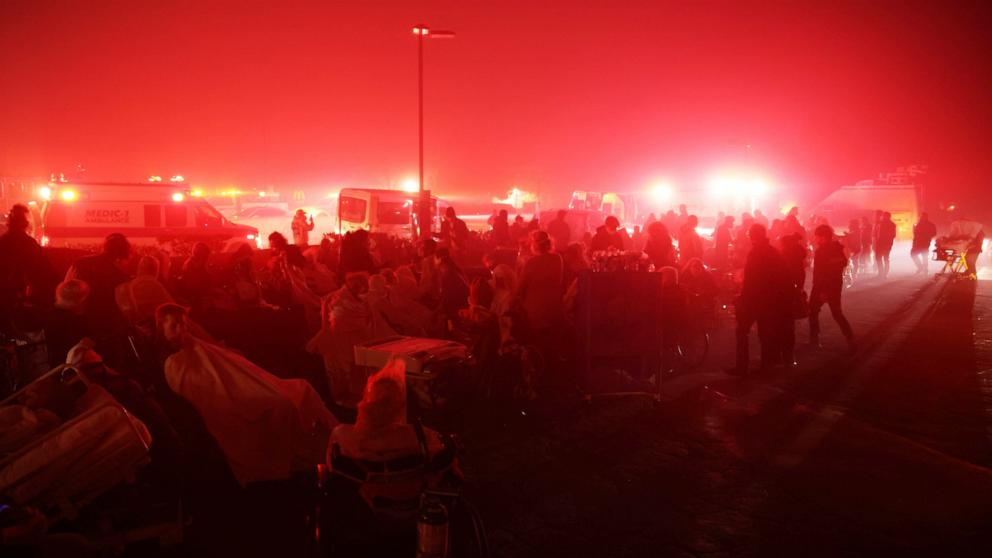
(92, 445)
(952, 252)
(430, 365)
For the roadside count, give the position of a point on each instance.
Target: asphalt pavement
(886, 451)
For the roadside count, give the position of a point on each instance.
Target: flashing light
(196, 193)
(69, 195)
(410, 185)
(45, 241)
(178, 197)
(45, 193)
(662, 192)
(262, 194)
(154, 178)
(250, 236)
(177, 178)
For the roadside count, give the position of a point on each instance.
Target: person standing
(454, 231)
(867, 241)
(829, 262)
(721, 243)
(885, 236)
(659, 246)
(690, 244)
(559, 231)
(763, 301)
(607, 236)
(852, 241)
(104, 272)
(302, 225)
(794, 255)
(25, 272)
(923, 233)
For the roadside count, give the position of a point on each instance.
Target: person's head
(357, 283)
(793, 212)
(887, 216)
(693, 267)
(325, 244)
(148, 266)
(384, 401)
(612, 223)
(17, 218)
(170, 321)
(301, 214)
(540, 242)
(117, 247)
(71, 295)
(504, 278)
(822, 234)
(562, 213)
(757, 233)
(504, 214)
(277, 241)
(692, 221)
(518, 220)
(449, 212)
(657, 230)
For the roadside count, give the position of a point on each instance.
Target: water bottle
(432, 529)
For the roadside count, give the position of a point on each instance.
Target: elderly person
(64, 324)
(347, 320)
(139, 297)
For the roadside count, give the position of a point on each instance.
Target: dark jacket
(829, 262)
(766, 287)
(604, 239)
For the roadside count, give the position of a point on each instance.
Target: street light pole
(424, 206)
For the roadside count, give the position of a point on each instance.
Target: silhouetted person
(923, 233)
(829, 262)
(722, 238)
(867, 241)
(659, 246)
(25, 272)
(103, 273)
(885, 236)
(852, 242)
(559, 231)
(763, 301)
(64, 324)
(690, 244)
(607, 236)
(453, 285)
(501, 229)
(794, 255)
(356, 253)
(454, 231)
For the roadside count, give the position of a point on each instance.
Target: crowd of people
(192, 341)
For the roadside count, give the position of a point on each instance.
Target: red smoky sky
(550, 96)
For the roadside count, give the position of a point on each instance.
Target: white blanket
(266, 426)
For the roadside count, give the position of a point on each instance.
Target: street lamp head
(421, 30)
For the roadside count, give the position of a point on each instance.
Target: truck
(82, 214)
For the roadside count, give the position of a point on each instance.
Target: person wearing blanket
(267, 427)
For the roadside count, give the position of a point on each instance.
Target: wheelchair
(370, 508)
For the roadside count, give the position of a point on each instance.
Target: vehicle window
(353, 209)
(394, 213)
(175, 215)
(153, 215)
(207, 216)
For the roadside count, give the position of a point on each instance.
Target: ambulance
(81, 215)
(381, 211)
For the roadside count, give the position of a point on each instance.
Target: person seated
(286, 418)
(65, 324)
(139, 297)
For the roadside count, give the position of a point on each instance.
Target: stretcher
(90, 446)
(952, 253)
(430, 364)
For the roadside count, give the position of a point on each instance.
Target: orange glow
(69, 195)
(178, 197)
(410, 185)
(45, 193)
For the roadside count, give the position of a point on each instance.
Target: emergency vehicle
(81, 215)
(380, 211)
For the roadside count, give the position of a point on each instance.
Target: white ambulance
(81, 215)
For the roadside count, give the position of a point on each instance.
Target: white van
(380, 211)
(80, 215)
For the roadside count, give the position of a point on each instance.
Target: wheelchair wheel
(693, 348)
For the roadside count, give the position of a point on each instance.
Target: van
(389, 212)
(81, 215)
